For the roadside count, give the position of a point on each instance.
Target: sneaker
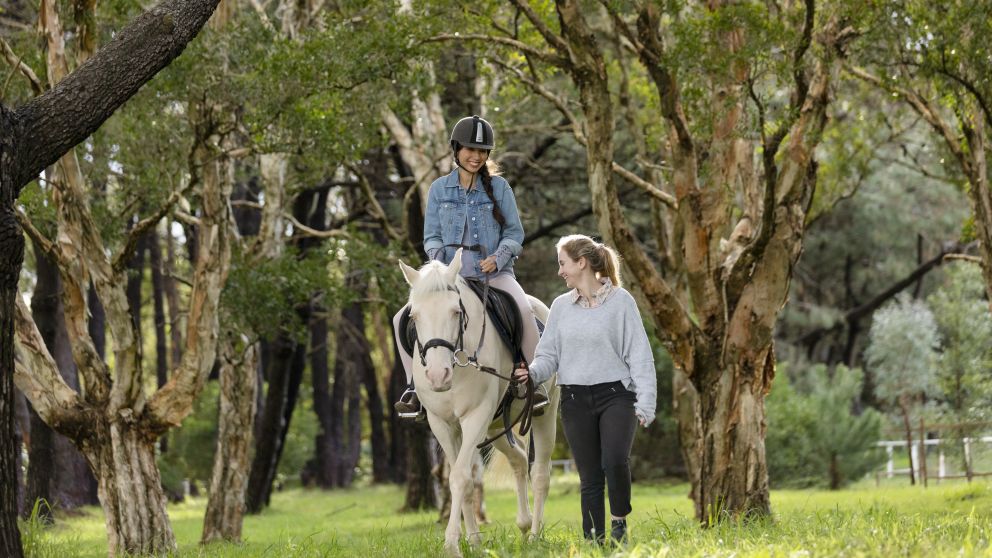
(618, 531)
(591, 536)
(409, 407)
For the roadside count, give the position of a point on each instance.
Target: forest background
(798, 189)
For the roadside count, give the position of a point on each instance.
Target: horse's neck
(493, 351)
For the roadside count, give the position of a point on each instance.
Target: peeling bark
(238, 387)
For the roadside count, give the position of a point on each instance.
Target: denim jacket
(449, 206)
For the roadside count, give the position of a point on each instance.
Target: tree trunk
(419, 481)
(351, 359)
(122, 455)
(11, 257)
(835, 478)
(176, 325)
(904, 407)
(263, 467)
(226, 506)
(320, 376)
(398, 436)
(158, 306)
(297, 367)
(734, 472)
(380, 446)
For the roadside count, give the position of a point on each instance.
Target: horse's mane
(433, 279)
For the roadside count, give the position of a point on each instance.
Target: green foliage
(902, 350)
(814, 436)
(190, 454)
(965, 326)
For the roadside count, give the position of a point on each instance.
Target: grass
(953, 519)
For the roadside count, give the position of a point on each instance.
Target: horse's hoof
(452, 550)
(475, 540)
(524, 525)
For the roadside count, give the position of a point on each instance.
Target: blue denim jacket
(448, 208)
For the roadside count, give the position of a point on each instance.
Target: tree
(33, 136)
(902, 351)
(966, 351)
(732, 171)
(935, 61)
(815, 437)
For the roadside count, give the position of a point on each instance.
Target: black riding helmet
(472, 131)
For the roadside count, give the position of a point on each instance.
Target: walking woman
(475, 209)
(596, 341)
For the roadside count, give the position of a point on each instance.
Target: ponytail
(611, 264)
(487, 184)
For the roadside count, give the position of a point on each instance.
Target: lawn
(953, 519)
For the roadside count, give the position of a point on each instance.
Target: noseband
(458, 348)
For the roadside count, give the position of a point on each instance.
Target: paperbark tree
(113, 423)
(33, 136)
(734, 220)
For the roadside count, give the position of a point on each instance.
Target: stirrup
(409, 394)
(540, 404)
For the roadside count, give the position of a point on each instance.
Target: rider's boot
(409, 407)
(540, 397)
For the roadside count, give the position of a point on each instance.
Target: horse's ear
(412, 275)
(455, 266)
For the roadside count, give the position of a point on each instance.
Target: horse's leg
(460, 480)
(447, 436)
(518, 462)
(543, 430)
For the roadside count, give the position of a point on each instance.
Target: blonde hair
(602, 259)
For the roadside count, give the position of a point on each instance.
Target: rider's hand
(488, 265)
(521, 374)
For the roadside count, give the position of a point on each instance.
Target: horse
(461, 400)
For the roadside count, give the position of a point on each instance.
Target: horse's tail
(487, 454)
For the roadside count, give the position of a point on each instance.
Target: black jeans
(599, 423)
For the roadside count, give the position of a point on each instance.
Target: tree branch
(38, 237)
(552, 39)
(855, 314)
(545, 56)
(39, 379)
(25, 70)
(124, 256)
(924, 108)
(377, 210)
(51, 124)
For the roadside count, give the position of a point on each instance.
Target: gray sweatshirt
(597, 345)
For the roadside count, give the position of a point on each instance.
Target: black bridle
(458, 347)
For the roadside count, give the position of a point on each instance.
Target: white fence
(919, 467)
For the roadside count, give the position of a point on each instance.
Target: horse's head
(437, 311)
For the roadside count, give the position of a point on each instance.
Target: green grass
(953, 519)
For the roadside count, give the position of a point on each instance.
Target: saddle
(504, 317)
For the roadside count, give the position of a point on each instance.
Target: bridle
(459, 356)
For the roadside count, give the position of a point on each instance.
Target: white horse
(461, 400)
